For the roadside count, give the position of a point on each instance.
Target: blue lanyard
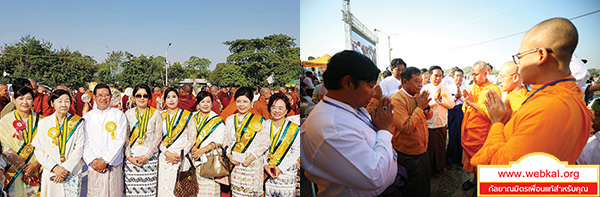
(549, 84)
(368, 123)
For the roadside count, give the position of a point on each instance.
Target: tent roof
(320, 62)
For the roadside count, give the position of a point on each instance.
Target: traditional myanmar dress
(179, 133)
(60, 145)
(16, 135)
(209, 129)
(246, 137)
(144, 135)
(284, 152)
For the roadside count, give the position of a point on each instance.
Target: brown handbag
(217, 164)
(186, 184)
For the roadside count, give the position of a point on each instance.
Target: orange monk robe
(232, 109)
(261, 107)
(517, 98)
(555, 121)
(476, 123)
(49, 110)
(152, 102)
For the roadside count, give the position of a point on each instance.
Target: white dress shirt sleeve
(88, 154)
(347, 159)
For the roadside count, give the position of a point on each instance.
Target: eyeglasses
(500, 77)
(142, 96)
(517, 57)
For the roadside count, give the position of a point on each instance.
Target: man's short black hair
(457, 70)
(309, 73)
(408, 73)
(352, 63)
(397, 61)
(100, 86)
(435, 67)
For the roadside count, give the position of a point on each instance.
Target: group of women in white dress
(255, 146)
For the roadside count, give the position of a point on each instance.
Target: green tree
(108, 70)
(197, 63)
(142, 69)
(26, 58)
(71, 69)
(32, 58)
(258, 58)
(176, 74)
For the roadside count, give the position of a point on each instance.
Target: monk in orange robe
(232, 109)
(261, 104)
(554, 118)
(476, 123)
(510, 83)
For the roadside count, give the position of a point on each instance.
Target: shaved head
(480, 71)
(558, 34)
(546, 51)
(509, 78)
(508, 67)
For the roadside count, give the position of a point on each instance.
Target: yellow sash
(26, 150)
(175, 126)
(141, 126)
(281, 142)
(206, 127)
(246, 131)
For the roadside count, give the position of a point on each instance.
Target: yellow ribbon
(111, 127)
(54, 133)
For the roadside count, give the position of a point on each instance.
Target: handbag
(186, 184)
(217, 164)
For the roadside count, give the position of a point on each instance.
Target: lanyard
(368, 123)
(278, 136)
(549, 84)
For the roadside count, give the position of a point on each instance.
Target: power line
(503, 37)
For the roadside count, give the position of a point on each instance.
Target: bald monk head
(546, 51)
(265, 92)
(509, 77)
(480, 71)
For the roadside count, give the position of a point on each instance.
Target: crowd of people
(54, 139)
(364, 138)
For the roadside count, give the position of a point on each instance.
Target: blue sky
(196, 28)
(429, 33)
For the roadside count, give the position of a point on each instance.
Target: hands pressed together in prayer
(498, 111)
(438, 95)
(272, 171)
(383, 113)
(469, 100)
(138, 161)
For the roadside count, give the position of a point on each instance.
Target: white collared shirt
(343, 155)
(453, 90)
(98, 141)
(591, 151)
(389, 86)
(440, 110)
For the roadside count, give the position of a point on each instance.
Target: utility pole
(167, 66)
